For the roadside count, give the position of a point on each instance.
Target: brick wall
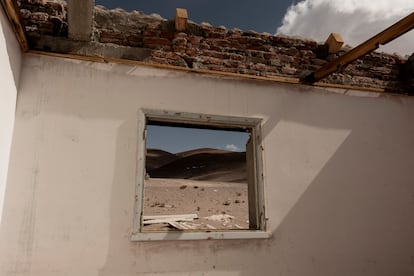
(203, 46)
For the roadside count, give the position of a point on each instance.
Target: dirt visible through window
(208, 183)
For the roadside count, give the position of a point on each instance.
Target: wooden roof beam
(13, 13)
(389, 34)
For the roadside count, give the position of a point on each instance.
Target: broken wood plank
(183, 225)
(168, 218)
(156, 221)
(210, 226)
(190, 216)
(178, 225)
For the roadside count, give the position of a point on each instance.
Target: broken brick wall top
(150, 38)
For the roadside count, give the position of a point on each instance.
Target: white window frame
(257, 217)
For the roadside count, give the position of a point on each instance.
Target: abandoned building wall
(338, 176)
(150, 38)
(10, 62)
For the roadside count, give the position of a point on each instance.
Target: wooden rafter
(389, 34)
(12, 12)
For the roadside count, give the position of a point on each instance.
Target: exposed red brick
(156, 41)
(151, 33)
(182, 35)
(257, 47)
(236, 57)
(179, 41)
(202, 46)
(156, 60)
(219, 42)
(111, 35)
(167, 35)
(25, 14)
(154, 26)
(194, 39)
(211, 60)
(231, 63)
(179, 49)
(222, 69)
(215, 54)
(288, 70)
(134, 40)
(271, 69)
(215, 48)
(215, 35)
(39, 16)
(193, 51)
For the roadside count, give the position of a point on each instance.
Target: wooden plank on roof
(389, 34)
(13, 13)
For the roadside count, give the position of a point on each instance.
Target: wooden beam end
(334, 43)
(181, 17)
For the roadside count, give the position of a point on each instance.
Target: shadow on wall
(351, 216)
(354, 218)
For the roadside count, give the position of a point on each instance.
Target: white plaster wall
(10, 62)
(338, 176)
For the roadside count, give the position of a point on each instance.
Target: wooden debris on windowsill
(168, 218)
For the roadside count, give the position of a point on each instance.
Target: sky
(178, 139)
(355, 20)
(259, 15)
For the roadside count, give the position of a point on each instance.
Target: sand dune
(199, 164)
(156, 158)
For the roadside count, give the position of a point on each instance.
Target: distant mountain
(199, 164)
(156, 158)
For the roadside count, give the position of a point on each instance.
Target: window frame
(257, 215)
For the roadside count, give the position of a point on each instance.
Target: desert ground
(219, 205)
(207, 182)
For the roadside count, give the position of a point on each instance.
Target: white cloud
(232, 147)
(355, 20)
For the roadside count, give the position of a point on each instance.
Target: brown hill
(201, 150)
(200, 164)
(156, 158)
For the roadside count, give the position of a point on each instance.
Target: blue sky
(355, 20)
(178, 139)
(259, 15)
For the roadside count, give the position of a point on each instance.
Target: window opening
(199, 173)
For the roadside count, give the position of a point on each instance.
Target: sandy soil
(164, 196)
